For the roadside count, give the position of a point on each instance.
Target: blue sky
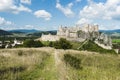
(50, 14)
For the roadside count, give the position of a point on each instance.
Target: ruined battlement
(73, 31)
(80, 34)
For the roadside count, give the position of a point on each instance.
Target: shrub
(51, 44)
(32, 43)
(19, 46)
(62, 44)
(72, 61)
(48, 43)
(3, 46)
(20, 53)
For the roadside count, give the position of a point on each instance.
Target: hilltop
(23, 31)
(3, 32)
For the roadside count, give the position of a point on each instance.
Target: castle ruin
(73, 31)
(80, 33)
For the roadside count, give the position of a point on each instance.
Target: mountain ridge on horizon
(24, 31)
(35, 30)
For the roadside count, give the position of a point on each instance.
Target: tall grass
(40, 64)
(95, 67)
(72, 61)
(23, 64)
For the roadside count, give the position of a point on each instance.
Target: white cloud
(16, 9)
(25, 1)
(65, 9)
(83, 21)
(43, 14)
(9, 6)
(29, 26)
(70, 5)
(108, 10)
(5, 22)
(103, 13)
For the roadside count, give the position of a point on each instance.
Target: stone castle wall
(80, 33)
(49, 37)
(73, 31)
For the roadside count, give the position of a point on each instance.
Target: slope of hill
(39, 33)
(49, 64)
(111, 31)
(91, 46)
(3, 32)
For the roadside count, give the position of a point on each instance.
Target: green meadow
(116, 40)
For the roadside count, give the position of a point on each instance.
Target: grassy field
(26, 64)
(49, 64)
(116, 41)
(91, 46)
(76, 45)
(95, 67)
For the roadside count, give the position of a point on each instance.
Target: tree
(32, 43)
(62, 44)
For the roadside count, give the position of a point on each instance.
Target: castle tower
(59, 30)
(86, 28)
(67, 33)
(96, 28)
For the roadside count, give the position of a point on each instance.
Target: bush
(51, 44)
(20, 53)
(32, 43)
(48, 43)
(19, 46)
(62, 44)
(72, 61)
(3, 46)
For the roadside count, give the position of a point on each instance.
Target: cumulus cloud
(5, 22)
(103, 13)
(9, 6)
(65, 9)
(25, 1)
(83, 21)
(43, 14)
(109, 10)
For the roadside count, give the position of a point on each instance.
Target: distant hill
(111, 31)
(3, 32)
(53, 32)
(23, 31)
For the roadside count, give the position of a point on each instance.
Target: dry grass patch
(95, 66)
(16, 63)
